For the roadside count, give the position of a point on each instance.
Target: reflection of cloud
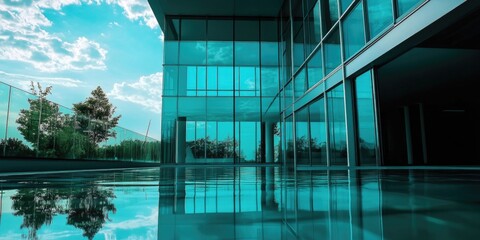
(140, 221)
(146, 92)
(24, 80)
(59, 235)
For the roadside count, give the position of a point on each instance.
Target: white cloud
(136, 10)
(24, 80)
(146, 92)
(24, 39)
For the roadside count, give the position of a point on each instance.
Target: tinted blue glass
(225, 79)
(318, 132)
(353, 31)
(212, 81)
(300, 83)
(405, 6)
(289, 142)
(220, 53)
(329, 14)
(170, 80)
(315, 68)
(288, 94)
(171, 52)
(336, 125)
(367, 139)
(344, 4)
(193, 52)
(302, 136)
(379, 15)
(332, 51)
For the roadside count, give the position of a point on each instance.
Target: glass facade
(229, 80)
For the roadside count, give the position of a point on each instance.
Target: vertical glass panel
(193, 52)
(23, 123)
(289, 142)
(170, 80)
(171, 52)
(315, 69)
(172, 29)
(193, 29)
(336, 124)
(318, 132)
(300, 83)
(288, 94)
(191, 81)
(353, 31)
(302, 137)
(4, 96)
(212, 81)
(225, 81)
(225, 144)
(298, 34)
(247, 82)
(404, 6)
(379, 16)
(367, 139)
(332, 51)
(247, 46)
(247, 141)
(201, 81)
(220, 42)
(312, 29)
(345, 3)
(329, 14)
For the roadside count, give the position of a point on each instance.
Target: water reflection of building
(223, 203)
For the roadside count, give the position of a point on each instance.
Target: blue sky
(77, 45)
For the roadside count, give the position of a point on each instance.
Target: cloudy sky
(77, 45)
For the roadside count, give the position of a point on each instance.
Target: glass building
(320, 82)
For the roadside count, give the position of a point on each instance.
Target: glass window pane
(336, 125)
(405, 6)
(379, 16)
(315, 69)
(345, 3)
(212, 81)
(300, 83)
(332, 51)
(193, 53)
(289, 150)
(365, 119)
(302, 137)
(193, 29)
(313, 28)
(318, 133)
(171, 52)
(353, 31)
(329, 14)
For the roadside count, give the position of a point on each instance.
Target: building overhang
(214, 8)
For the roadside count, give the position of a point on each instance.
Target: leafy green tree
(15, 147)
(95, 116)
(39, 123)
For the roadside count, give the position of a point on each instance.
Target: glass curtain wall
(213, 88)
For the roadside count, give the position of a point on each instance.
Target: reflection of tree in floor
(86, 208)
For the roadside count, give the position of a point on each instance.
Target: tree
(39, 123)
(95, 116)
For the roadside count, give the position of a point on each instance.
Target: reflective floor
(242, 203)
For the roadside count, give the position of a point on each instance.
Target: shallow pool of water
(241, 203)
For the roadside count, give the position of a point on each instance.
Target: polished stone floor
(242, 203)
